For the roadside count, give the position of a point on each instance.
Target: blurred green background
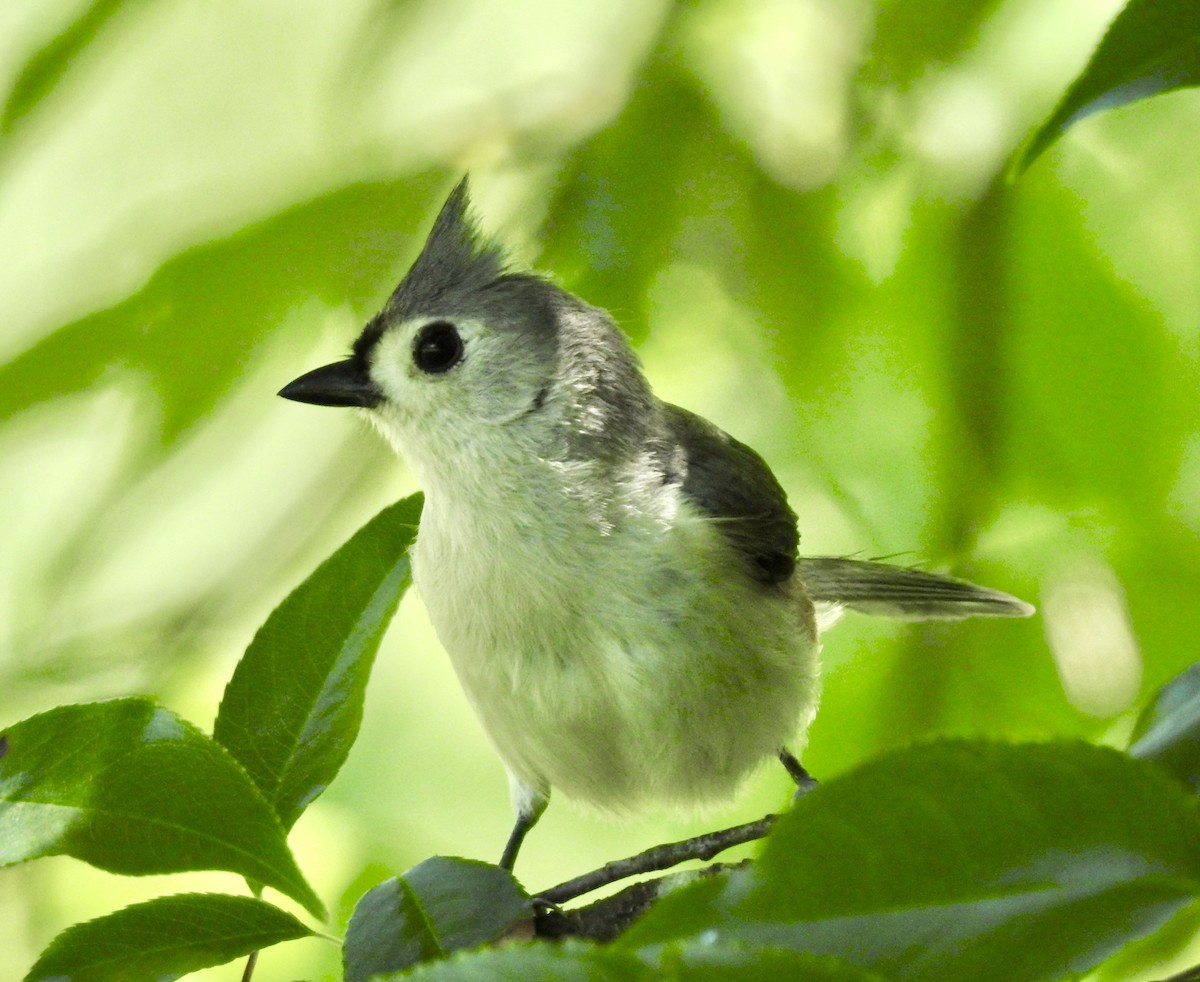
(791, 205)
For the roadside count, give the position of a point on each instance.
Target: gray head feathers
(456, 263)
(456, 257)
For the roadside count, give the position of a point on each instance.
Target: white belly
(635, 668)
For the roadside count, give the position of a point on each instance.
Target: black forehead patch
(367, 340)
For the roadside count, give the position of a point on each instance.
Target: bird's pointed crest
(456, 257)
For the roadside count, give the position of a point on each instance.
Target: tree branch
(608, 918)
(659, 858)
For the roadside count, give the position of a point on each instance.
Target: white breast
(628, 663)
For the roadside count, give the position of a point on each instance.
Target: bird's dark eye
(438, 348)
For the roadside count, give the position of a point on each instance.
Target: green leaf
(131, 788)
(209, 312)
(438, 906)
(164, 939)
(1168, 731)
(962, 860)
(292, 710)
(715, 959)
(566, 961)
(1152, 47)
(577, 961)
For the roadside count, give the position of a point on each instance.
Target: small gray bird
(615, 579)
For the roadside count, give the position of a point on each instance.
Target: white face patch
(471, 415)
(405, 386)
(388, 361)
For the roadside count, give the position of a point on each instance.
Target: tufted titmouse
(616, 580)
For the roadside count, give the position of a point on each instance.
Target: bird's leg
(529, 803)
(805, 782)
(525, 821)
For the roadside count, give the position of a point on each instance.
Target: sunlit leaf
(131, 788)
(962, 860)
(438, 906)
(292, 710)
(1152, 47)
(164, 939)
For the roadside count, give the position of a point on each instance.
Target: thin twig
(659, 857)
(606, 919)
(250, 963)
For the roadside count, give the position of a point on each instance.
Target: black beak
(344, 383)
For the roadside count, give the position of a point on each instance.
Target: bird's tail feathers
(902, 592)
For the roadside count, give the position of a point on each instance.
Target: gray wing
(898, 591)
(732, 484)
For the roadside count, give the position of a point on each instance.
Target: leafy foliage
(1152, 47)
(294, 705)
(970, 861)
(132, 788)
(164, 939)
(435, 908)
(994, 375)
